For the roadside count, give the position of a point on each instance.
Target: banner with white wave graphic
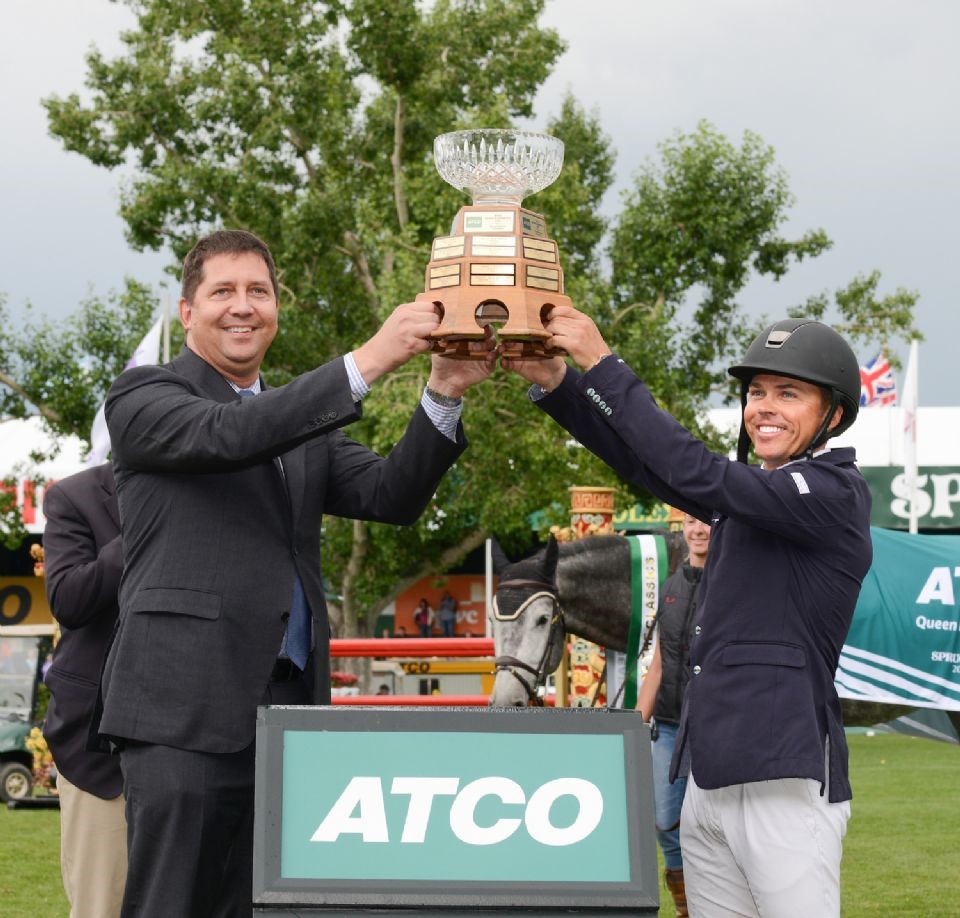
(904, 643)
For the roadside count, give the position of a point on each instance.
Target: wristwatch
(448, 401)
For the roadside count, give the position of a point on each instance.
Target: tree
(311, 124)
(62, 371)
(695, 228)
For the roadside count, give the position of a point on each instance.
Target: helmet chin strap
(818, 438)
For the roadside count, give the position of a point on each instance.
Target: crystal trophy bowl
(498, 166)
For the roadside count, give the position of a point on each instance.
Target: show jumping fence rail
(412, 647)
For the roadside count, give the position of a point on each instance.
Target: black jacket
(789, 549)
(678, 603)
(213, 531)
(84, 560)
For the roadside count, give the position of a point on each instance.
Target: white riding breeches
(769, 848)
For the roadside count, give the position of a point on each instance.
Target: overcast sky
(858, 98)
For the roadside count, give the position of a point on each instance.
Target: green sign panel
(938, 497)
(449, 810)
(455, 806)
(904, 643)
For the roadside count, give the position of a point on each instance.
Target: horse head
(528, 626)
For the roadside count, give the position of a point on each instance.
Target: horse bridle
(555, 635)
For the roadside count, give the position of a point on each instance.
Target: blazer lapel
(109, 494)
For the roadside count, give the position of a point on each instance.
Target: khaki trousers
(93, 851)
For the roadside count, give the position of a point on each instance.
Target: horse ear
(500, 560)
(550, 559)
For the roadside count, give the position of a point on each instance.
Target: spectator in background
(424, 617)
(447, 613)
(84, 561)
(661, 697)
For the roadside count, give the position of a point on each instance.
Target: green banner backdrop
(938, 497)
(904, 644)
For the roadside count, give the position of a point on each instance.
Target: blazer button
(697, 630)
(696, 670)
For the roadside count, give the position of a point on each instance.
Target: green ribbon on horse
(648, 567)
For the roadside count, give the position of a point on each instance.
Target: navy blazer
(789, 550)
(213, 532)
(84, 559)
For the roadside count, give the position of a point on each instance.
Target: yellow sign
(23, 601)
(463, 667)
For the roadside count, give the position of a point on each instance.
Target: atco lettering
(601, 404)
(939, 587)
(360, 810)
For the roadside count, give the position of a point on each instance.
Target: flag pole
(166, 328)
(910, 406)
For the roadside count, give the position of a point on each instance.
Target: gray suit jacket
(212, 533)
(84, 560)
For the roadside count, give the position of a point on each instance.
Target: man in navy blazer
(221, 498)
(83, 557)
(767, 799)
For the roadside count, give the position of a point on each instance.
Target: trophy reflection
(497, 266)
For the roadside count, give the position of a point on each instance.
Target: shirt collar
(255, 388)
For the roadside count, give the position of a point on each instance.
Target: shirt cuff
(444, 417)
(358, 387)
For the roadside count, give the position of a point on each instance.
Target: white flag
(147, 352)
(909, 410)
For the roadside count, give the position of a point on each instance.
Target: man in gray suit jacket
(84, 559)
(221, 499)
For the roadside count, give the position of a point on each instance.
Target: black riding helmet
(810, 351)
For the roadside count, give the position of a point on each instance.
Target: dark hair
(223, 242)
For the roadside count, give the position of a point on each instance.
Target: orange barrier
(411, 647)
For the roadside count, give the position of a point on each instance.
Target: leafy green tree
(696, 227)
(311, 124)
(62, 371)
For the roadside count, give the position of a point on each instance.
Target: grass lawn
(901, 856)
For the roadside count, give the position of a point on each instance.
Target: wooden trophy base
(498, 268)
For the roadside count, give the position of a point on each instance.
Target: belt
(285, 671)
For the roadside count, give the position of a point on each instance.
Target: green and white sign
(454, 808)
(938, 497)
(461, 806)
(904, 643)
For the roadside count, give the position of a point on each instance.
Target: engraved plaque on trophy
(497, 266)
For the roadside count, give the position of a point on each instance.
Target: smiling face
(697, 537)
(232, 318)
(782, 415)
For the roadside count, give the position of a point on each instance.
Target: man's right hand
(403, 335)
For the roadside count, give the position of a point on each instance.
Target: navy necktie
(296, 642)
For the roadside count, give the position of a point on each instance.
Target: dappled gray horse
(582, 587)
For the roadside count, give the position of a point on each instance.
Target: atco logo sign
(454, 805)
(360, 810)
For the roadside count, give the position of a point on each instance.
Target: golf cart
(22, 648)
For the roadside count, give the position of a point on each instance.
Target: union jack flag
(878, 385)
